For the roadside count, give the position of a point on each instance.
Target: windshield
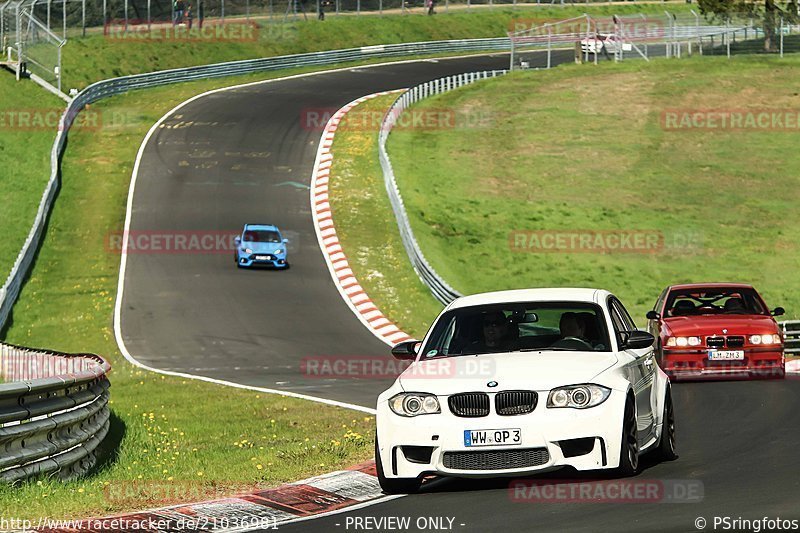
(571, 326)
(733, 301)
(261, 235)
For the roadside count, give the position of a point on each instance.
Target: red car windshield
(717, 301)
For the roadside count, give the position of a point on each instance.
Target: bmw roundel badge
(492, 384)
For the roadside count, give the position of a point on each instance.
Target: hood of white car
(515, 370)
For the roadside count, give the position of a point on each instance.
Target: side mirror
(406, 351)
(285, 241)
(637, 340)
(778, 311)
(652, 315)
(237, 241)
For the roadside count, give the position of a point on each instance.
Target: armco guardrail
(53, 412)
(10, 290)
(791, 335)
(438, 286)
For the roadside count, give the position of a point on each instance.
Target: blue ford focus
(261, 245)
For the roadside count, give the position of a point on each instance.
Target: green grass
(24, 160)
(582, 148)
(97, 57)
(153, 416)
(367, 228)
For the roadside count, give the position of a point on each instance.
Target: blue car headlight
(247, 250)
(278, 251)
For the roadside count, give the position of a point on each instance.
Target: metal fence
(643, 36)
(791, 333)
(72, 18)
(53, 412)
(440, 289)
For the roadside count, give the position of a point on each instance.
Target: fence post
(63, 20)
(380, 7)
(358, 7)
(549, 44)
(83, 18)
(48, 17)
(149, 18)
(727, 39)
(126, 16)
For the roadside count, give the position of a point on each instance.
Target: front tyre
(666, 444)
(394, 485)
(629, 448)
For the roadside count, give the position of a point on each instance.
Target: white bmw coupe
(518, 382)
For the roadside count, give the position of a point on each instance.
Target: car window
(569, 326)
(262, 236)
(714, 301)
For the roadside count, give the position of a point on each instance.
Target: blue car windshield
(261, 236)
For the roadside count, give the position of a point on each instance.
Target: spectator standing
(189, 15)
(179, 6)
(431, 5)
(200, 13)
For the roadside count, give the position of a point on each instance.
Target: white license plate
(492, 437)
(725, 355)
(262, 257)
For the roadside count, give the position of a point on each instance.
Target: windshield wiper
(548, 349)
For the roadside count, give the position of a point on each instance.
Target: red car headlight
(682, 342)
(769, 338)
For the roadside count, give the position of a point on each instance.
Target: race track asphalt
(737, 445)
(245, 156)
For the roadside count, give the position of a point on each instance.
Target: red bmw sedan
(716, 330)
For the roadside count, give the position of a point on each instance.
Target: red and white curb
(352, 292)
(264, 509)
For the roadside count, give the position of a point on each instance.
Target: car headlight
(684, 341)
(414, 404)
(278, 251)
(765, 339)
(248, 250)
(578, 396)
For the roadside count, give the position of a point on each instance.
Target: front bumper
(585, 439)
(268, 260)
(694, 364)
